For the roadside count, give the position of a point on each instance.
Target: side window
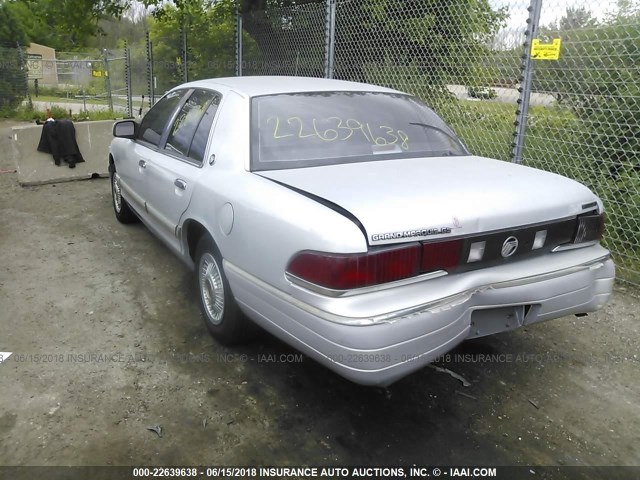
(199, 142)
(184, 128)
(156, 119)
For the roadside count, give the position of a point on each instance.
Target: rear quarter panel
(270, 224)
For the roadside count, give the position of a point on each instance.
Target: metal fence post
(526, 80)
(127, 76)
(25, 72)
(184, 55)
(105, 60)
(330, 38)
(238, 42)
(150, 79)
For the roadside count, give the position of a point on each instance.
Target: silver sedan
(350, 221)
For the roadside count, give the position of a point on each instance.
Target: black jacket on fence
(58, 138)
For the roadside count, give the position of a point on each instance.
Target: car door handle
(181, 184)
(142, 164)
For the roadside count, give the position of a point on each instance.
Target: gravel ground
(108, 342)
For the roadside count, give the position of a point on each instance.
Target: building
(42, 65)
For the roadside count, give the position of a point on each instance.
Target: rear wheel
(221, 313)
(123, 212)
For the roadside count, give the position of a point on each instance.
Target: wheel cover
(211, 288)
(117, 192)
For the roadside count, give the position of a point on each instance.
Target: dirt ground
(107, 341)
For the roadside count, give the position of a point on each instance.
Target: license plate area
(488, 321)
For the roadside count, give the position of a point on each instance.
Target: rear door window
(187, 123)
(199, 142)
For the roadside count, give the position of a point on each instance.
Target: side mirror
(125, 129)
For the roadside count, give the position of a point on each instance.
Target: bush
(482, 93)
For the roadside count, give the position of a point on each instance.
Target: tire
(121, 208)
(222, 316)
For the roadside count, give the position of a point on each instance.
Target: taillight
(441, 255)
(589, 228)
(348, 271)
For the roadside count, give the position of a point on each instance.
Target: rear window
(327, 128)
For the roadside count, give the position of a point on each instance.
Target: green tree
(210, 29)
(64, 25)
(442, 41)
(290, 38)
(573, 19)
(112, 33)
(13, 75)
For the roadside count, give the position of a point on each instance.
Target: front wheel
(123, 212)
(221, 313)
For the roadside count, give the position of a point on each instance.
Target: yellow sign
(98, 73)
(545, 51)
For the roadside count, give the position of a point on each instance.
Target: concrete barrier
(37, 168)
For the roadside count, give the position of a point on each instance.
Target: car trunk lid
(404, 200)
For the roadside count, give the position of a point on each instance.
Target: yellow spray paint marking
(545, 51)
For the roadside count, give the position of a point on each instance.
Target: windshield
(312, 129)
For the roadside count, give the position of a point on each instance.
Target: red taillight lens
(590, 228)
(346, 272)
(441, 255)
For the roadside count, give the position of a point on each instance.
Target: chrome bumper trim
(573, 246)
(329, 292)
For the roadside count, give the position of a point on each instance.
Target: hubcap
(211, 288)
(117, 193)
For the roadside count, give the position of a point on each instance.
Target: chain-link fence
(78, 81)
(285, 41)
(13, 78)
(554, 85)
(457, 58)
(591, 131)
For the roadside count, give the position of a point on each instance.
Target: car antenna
(141, 105)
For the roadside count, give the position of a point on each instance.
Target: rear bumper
(406, 339)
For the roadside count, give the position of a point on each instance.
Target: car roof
(273, 85)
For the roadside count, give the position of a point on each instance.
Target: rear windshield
(328, 128)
